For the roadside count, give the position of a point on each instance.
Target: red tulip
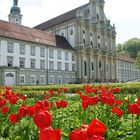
(13, 99)
(22, 111)
(46, 103)
(30, 111)
(43, 119)
(58, 133)
(93, 100)
(96, 128)
(24, 97)
(111, 101)
(84, 104)
(13, 118)
(5, 109)
(78, 135)
(118, 102)
(2, 102)
(49, 134)
(96, 138)
(117, 111)
(132, 108)
(138, 110)
(117, 90)
(104, 99)
(63, 103)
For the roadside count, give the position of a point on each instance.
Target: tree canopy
(137, 61)
(131, 47)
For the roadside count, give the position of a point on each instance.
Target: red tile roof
(125, 58)
(32, 35)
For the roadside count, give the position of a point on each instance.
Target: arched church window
(100, 65)
(84, 41)
(91, 43)
(9, 75)
(92, 66)
(71, 32)
(88, 10)
(83, 31)
(90, 34)
(97, 17)
(99, 45)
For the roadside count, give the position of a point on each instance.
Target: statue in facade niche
(15, 2)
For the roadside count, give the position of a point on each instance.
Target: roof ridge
(60, 16)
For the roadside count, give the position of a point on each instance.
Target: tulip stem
(132, 123)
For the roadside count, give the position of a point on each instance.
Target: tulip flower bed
(93, 113)
(40, 90)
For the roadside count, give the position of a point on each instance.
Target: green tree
(132, 46)
(119, 48)
(137, 60)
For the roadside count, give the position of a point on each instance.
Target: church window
(51, 80)
(66, 79)
(22, 79)
(91, 43)
(51, 53)
(42, 52)
(66, 66)
(92, 66)
(73, 67)
(59, 65)
(90, 34)
(22, 62)
(42, 79)
(85, 66)
(83, 31)
(51, 65)
(73, 57)
(22, 49)
(32, 79)
(66, 56)
(32, 51)
(32, 63)
(107, 68)
(9, 61)
(84, 41)
(59, 55)
(10, 47)
(97, 17)
(98, 37)
(71, 32)
(99, 45)
(42, 64)
(88, 10)
(60, 79)
(100, 65)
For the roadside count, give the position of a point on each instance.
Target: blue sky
(123, 13)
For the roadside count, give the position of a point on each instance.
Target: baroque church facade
(92, 36)
(77, 46)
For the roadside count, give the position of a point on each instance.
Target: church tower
(15, 16)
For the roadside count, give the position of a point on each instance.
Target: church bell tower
(15, 16)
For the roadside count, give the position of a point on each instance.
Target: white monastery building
(126, 69)
(76, 46)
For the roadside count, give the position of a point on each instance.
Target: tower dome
(15, 16)
(15, 10)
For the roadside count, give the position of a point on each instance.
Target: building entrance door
(9, 79)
